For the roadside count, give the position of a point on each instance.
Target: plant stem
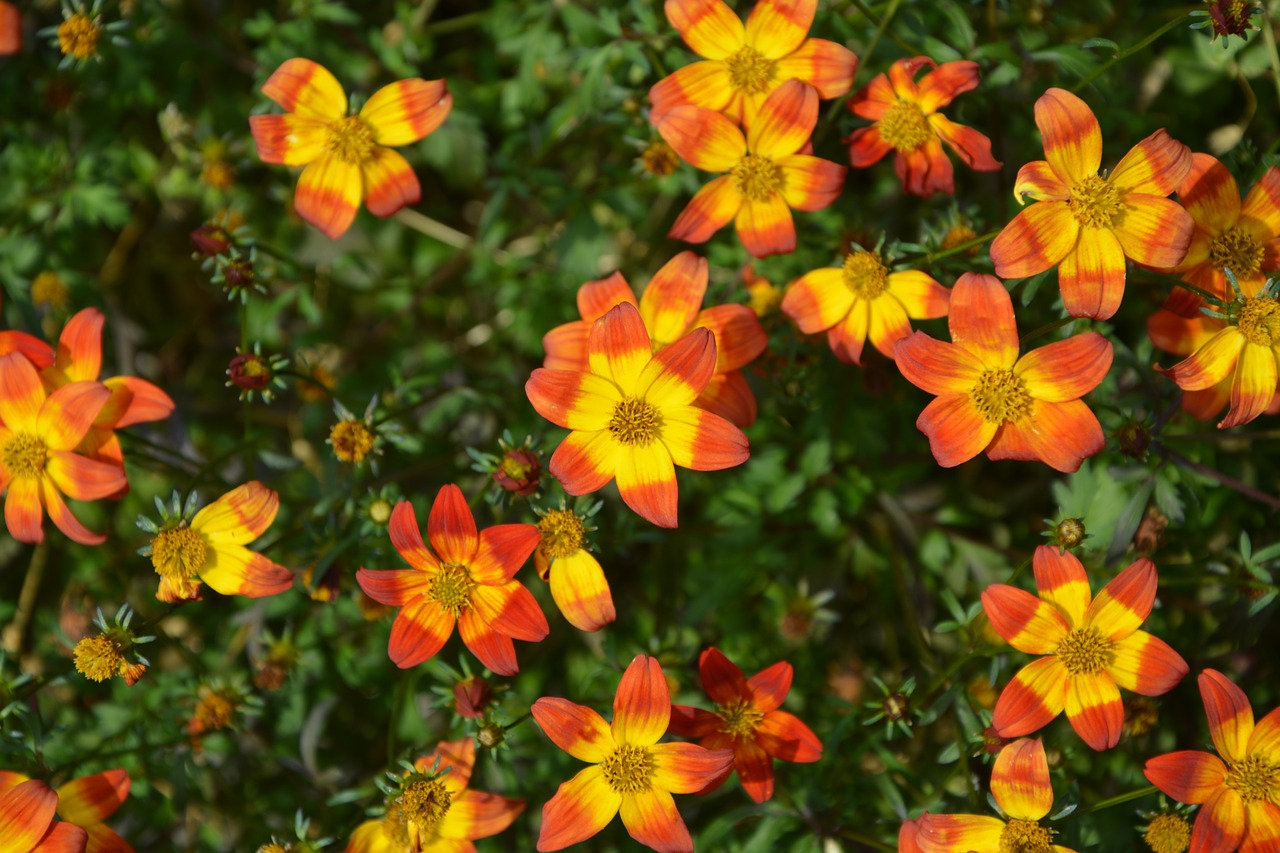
(1046, 329)
(1230, 482)
(930, 257)
(1118, 799)
(1130, 51)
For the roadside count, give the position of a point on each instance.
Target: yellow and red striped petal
(765, 227)
(36, 351)
(1155, 166)
(1092, 276)
(848, 337)
(1253, 387)
(908, 837)
(1146, 664)
(784, 736)
(407, 110)
(619, 347)
(1063, 434)
(873, 100)
(1154, 231)
(671, 301)
(785, 121)
(738, 334)
(700, 84)
(240, 516)
(1263, 827)
(103, 839)
(84, 479)
(1125, 602)
(1038, 181)
(393, 587)
(676, 375)
(451, 528)
(288, 139)
(937, 366)
(329, 194)
(23, 511)
(419, 632)
(1229, 712)
(407, 538)
(709, 27)
(981, 320)
(69, 412)
(1261, 210)
(1067, 369)
(647, 482)
(711, 208)
(512, 610)
(1211, 363)
(477, 814)
(922, 297)
(566, 346)
(776, 28)
(701, 440)
(1061, 580)
(491, 647)
(959, 833)
(1095, 709)
(703, 138)
(729, 396)
(940, 86)
(1030, 701)
(585, 461)
(1265, 740)
(80, 346)
(1027, 623)
(926, 170)
(580, 590)
(1072, 138)
(580, 808)
(1037, 239)
(235, 570)
(572, 399)
(1220, 825)
(1210, 194)
(955, 429)
(133, 401)
(21, 394)
(62, 517)
(504, 548)
(902, 74)
(973, 148)
(690, 722)
(307, 89)
(389, 182)
(810, 183)
(1189, 776)
(92, 799)
(686, 768)
(866, 147)
(889, 324)
(1020, 780)
(818, 300)
(770, 686)
(652, 819)
(595, 298)
(576, 729)
(824, 65)
(642, 705)
(26, 810)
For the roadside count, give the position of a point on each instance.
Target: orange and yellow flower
(745, 64)
(211, 549)
(82, 804)
(990, 399)
(909, 835)
(434, 810)
(767, 177)
(468, 582)
(1087, 224)
(863, 298)
(907, 122)
(748, 721)
(27, 825)
(1021, 788)
(632, 415)
(630, 771)
(347, 158)
(578, 584)
(1238, 792)
(1091, 648)
(671, 307)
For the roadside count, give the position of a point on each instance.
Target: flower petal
(595, 298)
(765, 227)
(785, 122)
(818, 300)
(647, 482)
(1188, 776)
(1095, 709)
(504, 548)
(79, 355)
(407, 538)
(1262, 204)
(389, 182)
(566, 346)
(419, 632)
(703, 138)
(1038, 238)
(889, 324)
(776, 28)
(955, 430)
(307, 89)
(287, 140)
(240, 516)
(926, 170)
(1147, 665)
(393, 587)
(937, 366)
(69, 412)
(92, 799)
(1038, 180)
(235, 570)
(1229, 712)
(573, 399)
(478, 814)
(1067, 369)
(810, 183)
(676, 375)
(1020, 780)
(1155, 166)
(867, 146)
(21, 394)
(1029, 702)
(512, 610)
(1125, 602)
(702, 441)
(686, 768)
(329, 194)
(37, 351)
(1262, 827)
(407, 110)
(576, 729)
(783, 736)
(740, 338)
(580, 590)
(60, 514)
(981, 320)
(1063, 435)
(959, 833)
(941, 85)
(26, 811)
(921, 295)
(133, 401)
(711, 208)
(692, 722)
(709, 27)
(770, 686)
(23, 511)
(619, 347)
(1220, 825)
(451, 528)
(64, 838)
(652, 819)
(700, 84)
(491, 647)
(1062, 580)
(1027, 623)
(585, 461)
(1211, 363)
(1210, 194)
(84, 479)
(722, 679)
(1153, 231)
(642, 705)
(1253, 386)
(1072, 138)
(824, 65)
(1265, 739)
(848, 336)
(1092, 276)
(580, 808)
(671, 301)
(754, 766)
(973, 148)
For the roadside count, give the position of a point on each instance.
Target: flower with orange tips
(468, 582)
(1238, 790)
(1087, 224)
(39, 433)
(671, 307)
(863, 298)
(632, 417)
(630, 771)
(1021, 788)
(434, 811)
(27, 825)
(210, 548)
(82, 805)
(990, 399)
(766, 176)
(578, 585)
(348, 158)
(907, 122)
(748, 721)
(1091, 648)
(745, 64)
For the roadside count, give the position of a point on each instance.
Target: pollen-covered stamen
(179, 553)
(757, 178)
(1095, 202)
(749, 71)
(350, 139)
(562, 532)
(1168, 833)
(1000, 396)
(422, 803)
(98, 658)
(1255, 779)
(1259, 321)
(1025, 836)
(865, 275)
(636, 422)
(25, 455)
(629, 769)
(1085, 651)
(451, 588)
(352, 440)
(739, 718)
(78, 36)
(904, 127)
(1237, 250)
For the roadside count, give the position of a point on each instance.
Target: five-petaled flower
(990, 399)
(632, 415)
(347, 157)
(27, 817)
(434, 811)
(767, 177)
(748, 721)
(671, 307)
(863, 299)
(468, 582)
(907, 122)
(578, 584)
(1021, 788)
(1090, 648)
(1239, 792)
(81, 804)
(745, 64)
(630, 771)
(1087, 224)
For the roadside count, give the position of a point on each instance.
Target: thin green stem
(930, 257)
(1118, 799)
(882, 26)
(1181, 20)
(1211, 298)
(865, 840)
(1046, 329)
(1269, 40)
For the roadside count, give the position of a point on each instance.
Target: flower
(630, 771)
(27, 810)
(861, 298)
(1231, 17)
(472, 697)
(1168, 832)
(746, 64)
(82, 805)
(1180, 335)
(1238, 792)
(468, 581)
(764, 298)
(907, 122)
(433, 811)
(1021, 788)
(78, 35)
(1086, 223)
(747, 721)
(632, 417)
(210, 548)
(766, 176)
(578, 585)
(347, 158)
(1090, 648)
(39, 462)
(990, 399)
(671, 307)
(10, 29)
(50, 290)
(107, 653)
(519, 471)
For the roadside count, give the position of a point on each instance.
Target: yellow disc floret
(25, 456)
(352, 440)
(350, 139)
(179, 553)
(451, 588)
(98, 658)
(905, 127)
(629, 769)
(1025, 836)
(1168, 833)
(1000, 396)
(1259, 321)
(78, 36)
(865, 275)
(756, 178)
(739, 718)
(562, 533)
(1085, 651)
(1237, 250)
(636, 422)
(1095, 202)
(750, 72)
(1255, 779)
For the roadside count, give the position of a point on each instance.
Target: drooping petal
(23, 512)
(307, 89)
(785, 122)
(941, 85)
(818, 300)
(393, 587)
(1020, 780)
(676, 375)
(576, 729)
(671, 301)
(775, 28)
(1072, 137)
(69, 412)
(700, 84)
(80, 346)
(389, 182)
(784, 736)
(652, 819)
(1067, 369)
(1154, 231)
(580, 808)
(709, 27)
(1253, 387)
(585, 461)
(595, 298)
(973, 148)
(926, 170)
(491, 647)
(62, 517)
(580, 590)
(1092, 276)
(94, 798)
(1146, 664)
(702, 441)
(1037, 239)
(619, 347)
(1036, 695)
(26, 810)
(512, 610)
(419, 631)
(1027, 623)
(240, 516)
(889, 324)
(867, 146)
(21, 394)
(902, 74)
(1229, 712)
(810, 183)
(981, 320)
(848, 336)
(686, 768)
(288, 139)
(407, 538)
(959, 833)
(1211, 363)
(1220, 825)
(765, 227)
(740, 338)
(1095, 709)
(703, 138)
(84, 479)
(642, 705)
(329, 194)
(955, 429)
(937, 366)
(451, 528)
(573, 399)
(478, 814)
(770, 686)
(504, 548)
(1125, 602)
(1155, 166)
(133, 401)
(407, 110)
(1063, 435)
(1038, 181)
(1210, 194)
(235, 570)
(1188, 776)
(824, 65)
(711, 208)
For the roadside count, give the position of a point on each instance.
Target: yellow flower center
(749, 72)
(1085, 651)
(1254, 779)
(1095, 202)
(865, 275)
(740, 718)
(25, 455)
(423, 803)
(514, 468)
(1168, 833)
(215, 711)
(1000, 396)
(561, 531)
(636, 421)
(904, 127)
(350, 139)
(756, 178)
(78, 36)
(659, 159)
(628, 769)
(1237, 250)
(179, 554)
(1259, 321)
(451, 587)
(98, 658)
(1025, 836)
(351, 440)
(49, 289)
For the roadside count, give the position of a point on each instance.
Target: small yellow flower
(78, 36)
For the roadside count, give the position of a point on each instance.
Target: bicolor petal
(785, 122)
(1063, 435)
(686, 768)
(1253, 386)
(825, 65)
(770, 686)
(451, 528)
(510, 609)
(419, 631)
(1188, 776)
(575, 400)
(810, 183)
(26, 810)
(287, 139)
(671, 301)
(1020, 780)
(1220, 825)
(580, 808)
(407, 539)
(784, 736)
(94, 798)
(393, 587)
(1062, 581)
(580, 590)
(956, 833)
(740, 338)
(407, 110)
(307, 89)
(709, 27)
(676, 375)
(1155, 166)
(973, 148)
(389, 182)
(1153, 231)
(491, 647)
(329, 194)
(1037, 239)
(1072, 137)
(585, 461)
(1229, 712)
(21, 394)
(703, 138)
(711, 208)
(955, 429)
(1146, 664)
(702, 441)
(766, 227)
(1125, 602)
(700, 84)
(848, 337)
(504, 548)
(1211, 363)
(576, 729)
(1092, 277)
(936, 366)
(652, 819)
(619, 347)
(240, 516)
(1038, 181)
(235, 570)
(1210, 194)
(1067, 369)
(1027, 623)
(776, 28)
(1036, 695)
(981, 320)
(818, 300)
(1095, 709)
(642, 705)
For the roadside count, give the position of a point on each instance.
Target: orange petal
(1210, 194)
(873, 100)
(407, 110)
(581, 807)
(491, 647)
(288, 140)
(1146, 664)
(619, 348)
(783, 736)
(10, 29)
(1064, 434)
(709, 27)
(1072, 138)
(940, 86)
(785, 122)
(955, 430)
(647, 482)
(738, 334)
(1265, 739)
(1189, 776)
(1262, 205)
(576, 729)
(722, 679)
(240, 516)
(690, 722)
(818, 300)
(407, 538)
(981, 320)
(1067, 369)
(1154, 231)
(1020, 780)
(595, 298)
(1253, 386)
(235, 570)
(936, 366)
(712, 207)
(701, 84)
(973, 148)
(451, 528)
(585, 461)
(1011, 442)
(307, 89)
(848, 336)
(1155, 166)
(765, 227)
(36, 351)
(23, 511)
(702, 441)
(92, 799)
(824, 65)
(1211, 363)
(908, 837)
(703, 138)
(80, 346)
(141, 401)
(63, 518)
(328, 195)
(776, 28)
(866, 146)
(69, 412)
(1037, 239)
(389, 182)
(926, 170)
(1221, 823)
(810, 183)
(21, 394)
(1125, 602)
(1038, 181)
(572, 399)
(686, 768)
(652, 819)
(1092, 276)
(393, 587)
(676, 375)
(512, 610)
(1027, 623)
(959, 833)
(902, 75)
(1095, 709)
(1230, 715)
(26, 811)
(478, 814)
(580, 590)
(1029, 702)
(729, 396)
(1061, 580)
(1263, 827)
(671, 301)
(566, 346)
(84, 479)
(504, 548)
(642, 705)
